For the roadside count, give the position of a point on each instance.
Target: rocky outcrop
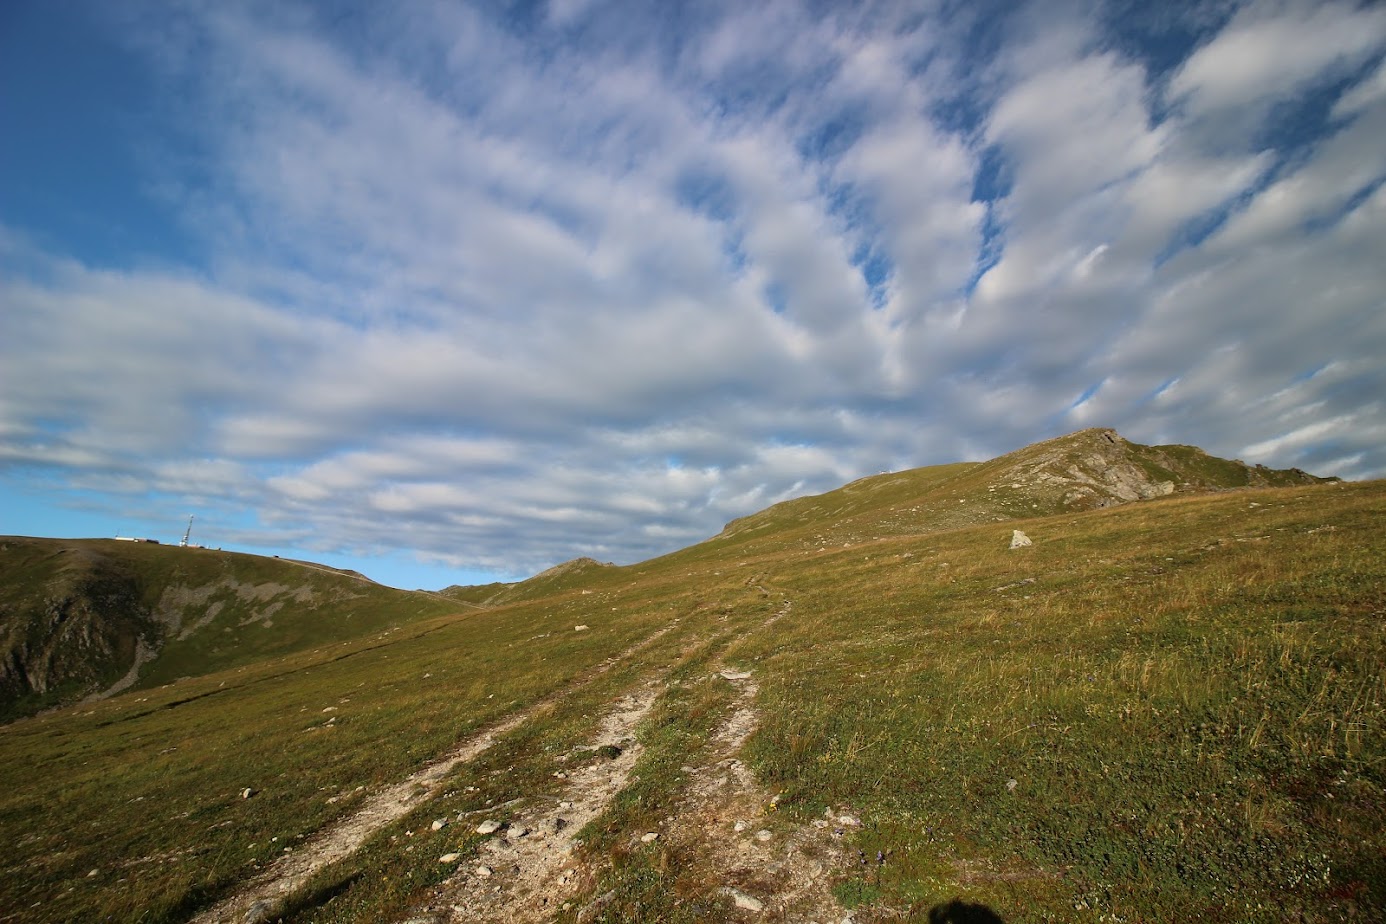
(1100, 468)
(81, 630)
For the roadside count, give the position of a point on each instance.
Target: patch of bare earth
(260, 897)
(729, 839)
(528, 869)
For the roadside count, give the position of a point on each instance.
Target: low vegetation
(1166, 710)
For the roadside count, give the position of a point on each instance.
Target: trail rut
(263, 895)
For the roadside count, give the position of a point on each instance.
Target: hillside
(577, 574)
(1086, 470)
(94, 617)
(843, 706)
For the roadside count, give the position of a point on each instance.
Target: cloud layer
(502, 289)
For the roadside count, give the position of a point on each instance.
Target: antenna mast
(184, 543)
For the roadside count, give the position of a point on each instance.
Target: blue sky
(450, 293)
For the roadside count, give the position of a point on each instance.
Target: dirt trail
(727, 827)
(260, 897)
(528, 872)
(528, 869)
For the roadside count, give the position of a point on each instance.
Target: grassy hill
(1164, 709)
(84, 617)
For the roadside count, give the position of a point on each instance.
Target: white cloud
(1274, 48)
(523, 297)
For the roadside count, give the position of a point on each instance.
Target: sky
(452, 292)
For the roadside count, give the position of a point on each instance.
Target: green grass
(1170, 710)
(1190, 731)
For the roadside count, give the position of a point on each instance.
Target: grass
(1164, 711)
(1157, 726)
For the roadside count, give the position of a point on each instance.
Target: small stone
(1011, 785)
(649, 838)
(763, 835)
(581, 628)
(558, 824)
(95, 872)
(849, 821)
(484, 872)
(739, 827)
(516, 832)
(1019, 540)
(746, 902)
(247, 793)
(450, 858)
(259, 913)
(490, 826)
(565, 804)
(439, 824)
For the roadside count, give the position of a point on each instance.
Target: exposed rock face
(78, 627)
(1098, 472)
(1100, 468)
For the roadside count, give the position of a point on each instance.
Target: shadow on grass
(961, 912)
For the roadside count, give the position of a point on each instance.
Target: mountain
(864, 704)
(94, 617)
(1085, 470)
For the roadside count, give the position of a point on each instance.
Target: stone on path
(746, 902)
(259, 913)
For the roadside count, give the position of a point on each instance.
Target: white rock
(439, 824)
(489, 826)
(516, 832)
(1019, 540)
(484, 872)
(581, 628)
(739, 827)
(649, 838)
(247, 793)
(746, 902)
(449, 858)
(763, 835)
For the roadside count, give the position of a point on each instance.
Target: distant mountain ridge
(91, 617)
